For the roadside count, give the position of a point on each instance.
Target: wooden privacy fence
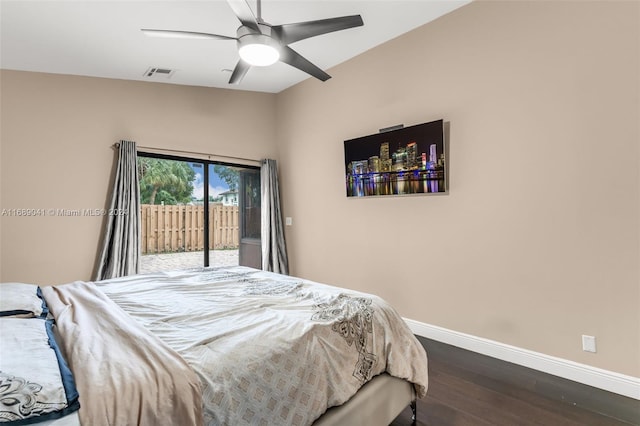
(167, 229)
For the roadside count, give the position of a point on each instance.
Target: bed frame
(378, 402)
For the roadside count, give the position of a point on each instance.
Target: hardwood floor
(469, 389)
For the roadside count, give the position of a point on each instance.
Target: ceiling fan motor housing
(258, 49)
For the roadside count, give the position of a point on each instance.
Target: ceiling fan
(263, 44)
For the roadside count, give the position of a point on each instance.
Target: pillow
(22, 301)
(35, 381)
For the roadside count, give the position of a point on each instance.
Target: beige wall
(538, 241)
(57, 134)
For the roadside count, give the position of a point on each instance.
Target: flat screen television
(409, 160)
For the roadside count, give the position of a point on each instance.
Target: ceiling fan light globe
(259, 55)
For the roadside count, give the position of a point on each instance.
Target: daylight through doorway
(190, 212)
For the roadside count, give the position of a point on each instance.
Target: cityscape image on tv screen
(409, 160)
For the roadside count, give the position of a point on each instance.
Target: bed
(233, 346)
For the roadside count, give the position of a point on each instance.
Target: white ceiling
(102, 38)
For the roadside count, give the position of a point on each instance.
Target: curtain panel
(274, 249)
(120, 254)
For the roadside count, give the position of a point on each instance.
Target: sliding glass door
(192, 213)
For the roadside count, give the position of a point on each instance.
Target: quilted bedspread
(247, 347)
(271, 349)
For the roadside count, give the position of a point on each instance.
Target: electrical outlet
(288, 221)
(588, 343)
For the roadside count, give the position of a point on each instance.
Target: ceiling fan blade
(290, 33)
(239, 72)
(244, 13)
(293, 58)
(184, 34)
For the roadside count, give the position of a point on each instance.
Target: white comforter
(271, 349)
(124, 374)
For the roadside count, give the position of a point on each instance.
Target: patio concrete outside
(193, 259)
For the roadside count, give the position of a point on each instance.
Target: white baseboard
(603, 379)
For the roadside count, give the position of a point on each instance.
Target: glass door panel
(250, 244)
(171, 214)
(223, 215)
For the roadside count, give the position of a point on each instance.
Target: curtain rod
(177, 151)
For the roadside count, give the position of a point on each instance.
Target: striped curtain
(120, 254)
(274, 249)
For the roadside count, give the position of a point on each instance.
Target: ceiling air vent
(159, 73)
